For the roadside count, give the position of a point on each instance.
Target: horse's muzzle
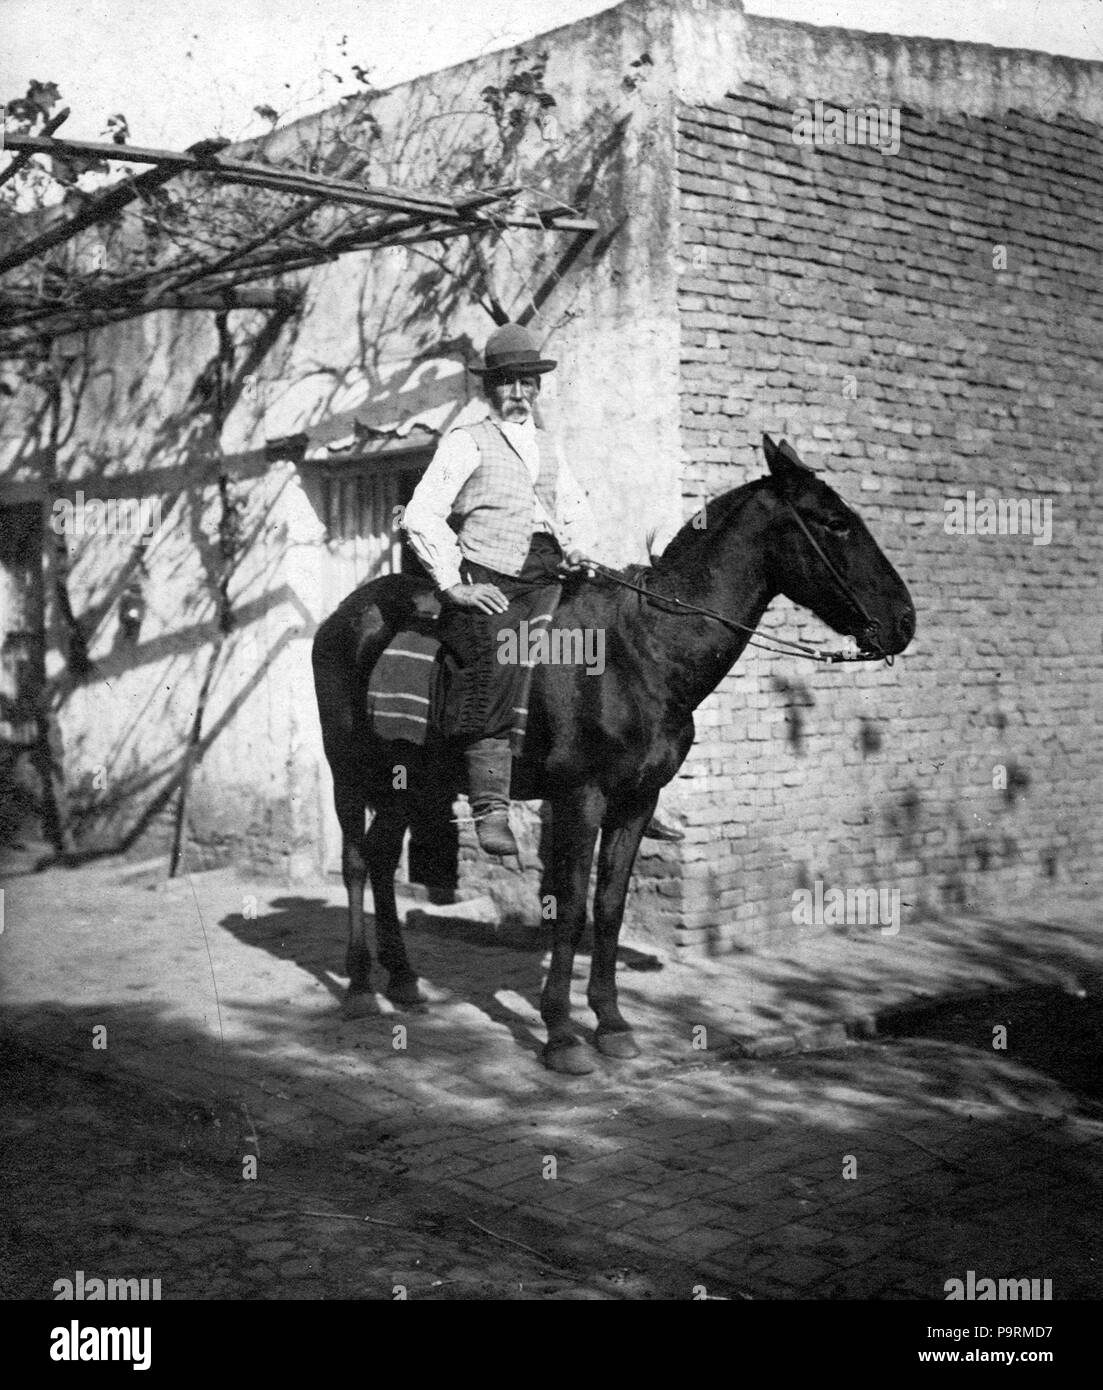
(872, 641)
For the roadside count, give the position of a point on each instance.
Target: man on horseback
(496, 518)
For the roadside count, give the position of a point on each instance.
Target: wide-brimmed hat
(512, 348)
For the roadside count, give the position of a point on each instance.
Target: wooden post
(224, 362)
(48, 754)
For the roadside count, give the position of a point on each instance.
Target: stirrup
(493, 832)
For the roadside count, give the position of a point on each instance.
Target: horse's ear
(784, 462)
(790, 455)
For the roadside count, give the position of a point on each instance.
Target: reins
(784, 646)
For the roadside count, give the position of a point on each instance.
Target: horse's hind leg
(383, 846)
(351, 803)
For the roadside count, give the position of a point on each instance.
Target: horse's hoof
(359, 1004)
(404, 994)
(622, 1046)
(568, 1059)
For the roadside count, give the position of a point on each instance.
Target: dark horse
(598, 748)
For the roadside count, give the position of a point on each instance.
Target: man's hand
(487, 598)
(575, 561)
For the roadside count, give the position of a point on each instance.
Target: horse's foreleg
(620, 842)
(383, 846)
(575, 821)
(351, 803)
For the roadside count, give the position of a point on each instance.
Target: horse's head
(825, 559)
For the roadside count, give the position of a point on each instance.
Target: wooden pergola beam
(24, 157)
(98, 209)
(286, 262)
(252, 264)
(241, 253)
(241, 171)
(215, 300)
(133, 301)
(411, 218)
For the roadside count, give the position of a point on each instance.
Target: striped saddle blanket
(405, 688)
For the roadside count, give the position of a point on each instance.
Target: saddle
(407, 685)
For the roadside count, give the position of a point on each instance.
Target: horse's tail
(335, 688)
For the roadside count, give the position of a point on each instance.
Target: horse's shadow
(311, 934)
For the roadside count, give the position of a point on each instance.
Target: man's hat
(512, 348)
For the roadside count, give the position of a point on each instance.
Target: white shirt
(426, 518)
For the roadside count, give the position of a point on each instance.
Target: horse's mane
(692, 540)
(689, 542)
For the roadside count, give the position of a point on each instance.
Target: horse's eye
(838, 525)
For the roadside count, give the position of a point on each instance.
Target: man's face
(512, 395)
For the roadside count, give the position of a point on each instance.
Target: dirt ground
(111, 1179)
(852, 1130)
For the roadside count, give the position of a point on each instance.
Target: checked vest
(492, 513)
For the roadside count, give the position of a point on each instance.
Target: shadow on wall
(955, 841)
(116, 416)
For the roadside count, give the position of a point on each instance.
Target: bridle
(873, 628)
(784, 646)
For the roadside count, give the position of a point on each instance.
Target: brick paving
(723, 1167)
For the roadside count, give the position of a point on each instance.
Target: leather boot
(488, 770)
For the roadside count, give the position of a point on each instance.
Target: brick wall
(849, 299)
